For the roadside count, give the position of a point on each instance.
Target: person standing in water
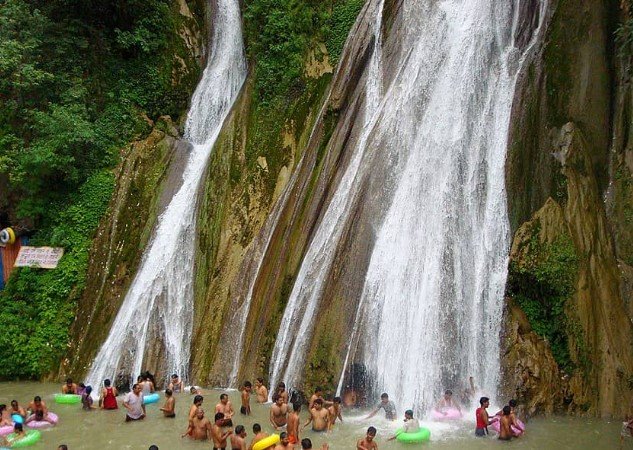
(238, 439)
(335, 411)
(281, 391)
(387, 405)
(175, 384)
(319, 416)
(246, 398)
(258, 435)
(219, 437)
(260, 391)
(197, 403)
(69, 387)
(368, 443)
(199, 427)
(284, 442)
(86, 399)
(447, 402)
(293, 423)
(147, 385)
(505, 432)
(133, 402)
(482, 417)
(169, 408)
(107, 399)
(278, 413)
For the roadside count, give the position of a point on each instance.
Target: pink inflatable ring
(42, 423)
(6, 430)
(447, 414)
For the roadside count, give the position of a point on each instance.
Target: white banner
(43, 257)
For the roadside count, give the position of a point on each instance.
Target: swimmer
(17, 409)
(86, 399)
(169, 408)
(225, 407)
(147, 385)
(175, 384)
(258, 435)
(38, 410)
(199, 427)
(69, 387)
(293, 423)
(411, 425)
(5, 417)
(447, 402)
(319, 416)
(284, 442)
(278, 413)
(197, 403)
(107, 399)
(335, 411)
(513, 419)
(281, 391)
(318, 393)
(81, 388)
(306, 444)
(387, 405)
(18, 433)
(482, 417)
(246, 398)
(219, 437)
(260, 391)
(368, 443)
(238, 439)
(133, 402)
(505, 432)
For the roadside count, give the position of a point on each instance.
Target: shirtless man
(306, 444)
(225, 407)
(169, 408)
(261, 391)
(147, 385)
(284, 442)
(278, 413)
(238, 439)
(335, 411)
(17, 409)
(505, 432)
(39, 411)
(175, 384)
(281, 391)
(246, 398)
(293, 423)
(199, 427)
(318, 393)
(319, 416)
(5, 417)
(69, 387)
(219, 436)
(259, 435)
(368, 442)
(447, 402)
(513, 418)
(197, 403)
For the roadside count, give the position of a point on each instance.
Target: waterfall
(429, 313)
(159, 302)
(296, 324)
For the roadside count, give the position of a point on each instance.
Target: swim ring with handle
(43, 423)
(31, 437)
(151, 398)
(67, 399)
(451, 414)
(422, 435)
(273, 439)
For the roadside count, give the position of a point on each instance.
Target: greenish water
(107, 430)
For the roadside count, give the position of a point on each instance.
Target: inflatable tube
(31, 437)
(451, 414)
(151, 398)
(67, 399)
(422, 435)
(516, 431)
(6, 430)
(7, 236)
(271, 440)
(17, 418)
(43, 423)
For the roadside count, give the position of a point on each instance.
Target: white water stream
(160, 299)
(430, 312)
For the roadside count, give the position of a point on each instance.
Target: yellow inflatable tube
(267, 442)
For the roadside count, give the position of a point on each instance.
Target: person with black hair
(217, 434)
(246, 398)
(482, 417)
(387, 405)
(505, 432)
(65, 447)
(411, 425)
(238, 438)
(107, 399)
(306, 444)
(258, 435)
(368, 443)
(225, 407)
(153, 447)
(169, 408)
(293, 423)
(278, 413)
(260, 391)
(335, 411)
(197, 403)
(199, 427)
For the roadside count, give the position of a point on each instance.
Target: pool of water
(106, 429)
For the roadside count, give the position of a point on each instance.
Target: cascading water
(160, 297)
(296, 325)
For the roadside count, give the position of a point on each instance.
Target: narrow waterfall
(296, 325)
(160, 299)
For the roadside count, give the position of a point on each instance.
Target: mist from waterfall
(159, 302)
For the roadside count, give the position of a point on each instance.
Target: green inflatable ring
(68, 399)
(423, 435)
(32, 436)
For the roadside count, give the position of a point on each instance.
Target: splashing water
(159, 302)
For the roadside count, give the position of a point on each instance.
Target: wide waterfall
(430, 311)
(159, 302)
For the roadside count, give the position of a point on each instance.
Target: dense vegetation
(78, 79)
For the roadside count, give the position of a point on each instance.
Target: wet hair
(318, 401)
(260, 379)
(219, 416)
(318, 389)
(257, 428)
(337, 399)
(3, 407)
(223, 396)
(408, 412)
(281, 385)
(14, 402)
(283, 435)
(168, 392)
(483, 400)
(174, 375)
(306, 444)
(239, 429)
(88, 390)
(139, 379)
(507, 410)
(198, 398)
(37, 398)
(69, 381)
(18, 427)
(512, 403)
(193, 390)
(372, 431)
(276, 397)
(135, 385)
(247, 384)
(296, 406)
(65, 447)
(153, 447)
(448, 392)
(107, 382)
(384, 395)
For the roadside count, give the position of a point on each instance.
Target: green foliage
(624, 32)
(38, 306)
(343, 17)
(541, 286)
